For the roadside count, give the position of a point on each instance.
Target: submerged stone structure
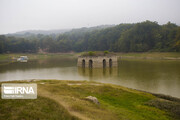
(97, 61)
(98, 73)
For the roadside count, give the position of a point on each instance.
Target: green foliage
(177, 40)
(91, 53)
(140, 37)
(106, 52)
(97, 53)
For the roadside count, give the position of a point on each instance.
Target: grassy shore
(146, 55)
(10, 58)
(151, 55)
(65, 100)
(34, 56)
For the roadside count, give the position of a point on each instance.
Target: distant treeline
(140, 37)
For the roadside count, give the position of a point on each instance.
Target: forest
(146, 36)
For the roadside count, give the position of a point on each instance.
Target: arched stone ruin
(97, 61)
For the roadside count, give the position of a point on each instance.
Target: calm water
(149, 75)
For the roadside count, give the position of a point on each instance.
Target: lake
(158, 76)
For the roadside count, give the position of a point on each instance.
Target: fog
(18, 15)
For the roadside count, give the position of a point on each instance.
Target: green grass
(9, 58)
(35, 55)
(4, 57)
(40, 108)
(68, 98)
(115, 102)
(151, 55)
(124, 104)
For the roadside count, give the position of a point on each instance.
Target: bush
(106, 52)
(91, 53)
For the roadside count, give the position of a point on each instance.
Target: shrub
(91, 53)
(106, 52)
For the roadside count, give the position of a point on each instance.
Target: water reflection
(98, 73)
(153, 76)
(161, 76)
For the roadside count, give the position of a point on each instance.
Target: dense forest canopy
(140, 37)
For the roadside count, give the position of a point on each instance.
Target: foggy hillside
(28, 33)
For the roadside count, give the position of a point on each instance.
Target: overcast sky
(18, 15)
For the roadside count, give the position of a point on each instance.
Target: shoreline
(153, 93)
(6, 59)
(114, 99)
(149, 58)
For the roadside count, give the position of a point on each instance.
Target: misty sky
(18, 15)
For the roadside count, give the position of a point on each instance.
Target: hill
(146, 36)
